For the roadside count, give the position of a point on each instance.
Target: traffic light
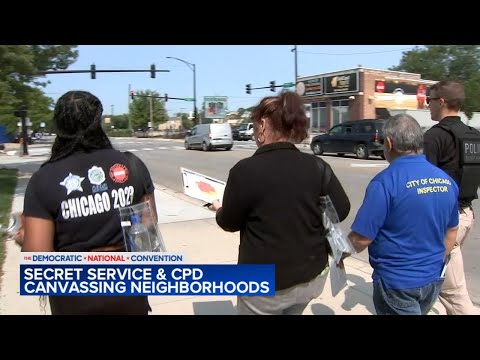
(272, 86)
(92, 71)
(248, 89)
(132, 94)
(166, 97)
(152, 71)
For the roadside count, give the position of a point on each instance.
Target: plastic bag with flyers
(339, 243)
(140, 230)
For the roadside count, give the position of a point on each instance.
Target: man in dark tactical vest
(455, 148)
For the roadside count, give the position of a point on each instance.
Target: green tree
(186, 122)
(140, 109)
(21, 85)
(447, 62)
(40, 110)
(120, 121)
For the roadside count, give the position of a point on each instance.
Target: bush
(120, 133)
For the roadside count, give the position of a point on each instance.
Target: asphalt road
(164, 160)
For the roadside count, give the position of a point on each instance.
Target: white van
(245, 131)
(209, 136)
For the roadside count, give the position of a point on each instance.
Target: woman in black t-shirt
(71, 202)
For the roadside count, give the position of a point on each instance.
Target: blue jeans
(416, 301)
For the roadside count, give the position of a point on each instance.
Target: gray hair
(405, 132)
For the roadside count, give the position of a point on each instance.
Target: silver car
(209, 136)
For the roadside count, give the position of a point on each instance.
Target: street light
(192, 67)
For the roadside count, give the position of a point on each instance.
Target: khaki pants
(454, 294)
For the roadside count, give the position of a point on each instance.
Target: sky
(221, 70)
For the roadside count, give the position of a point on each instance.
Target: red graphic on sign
(206, 188)
(119, 173)
(380, 87)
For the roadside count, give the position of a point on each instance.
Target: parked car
(235, 133)
(209, 136)
(360, 137)
(246, 131)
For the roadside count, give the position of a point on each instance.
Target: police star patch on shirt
(96, 175)
(72, 183)
(119, 173)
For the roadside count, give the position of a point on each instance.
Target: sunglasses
(429, 99)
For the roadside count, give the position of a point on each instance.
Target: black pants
(99, 305)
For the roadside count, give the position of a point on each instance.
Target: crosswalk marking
(240, 147)
(368, 165)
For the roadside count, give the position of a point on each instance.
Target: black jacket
(273, 198)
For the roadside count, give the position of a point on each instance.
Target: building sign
(341, 84)
(311, 87)
(397, 95)
(215, 106)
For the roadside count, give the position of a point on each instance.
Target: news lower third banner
(135, 274)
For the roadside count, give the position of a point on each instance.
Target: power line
(360, 53)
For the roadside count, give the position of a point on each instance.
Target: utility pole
(296, 67)
(112, 109)
(128, 103)
(195, 94)
(151, 112)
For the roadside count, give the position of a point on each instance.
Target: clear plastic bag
(140, 230)
(339, 243)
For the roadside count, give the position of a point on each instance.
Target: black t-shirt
(82, 194)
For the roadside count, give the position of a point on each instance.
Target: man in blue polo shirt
(408, 221)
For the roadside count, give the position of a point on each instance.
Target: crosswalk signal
(132, 94)
(93, 68)
(152, 71)
(248, 88)
(272, 86)
(166, 97)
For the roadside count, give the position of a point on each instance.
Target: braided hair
(78, 120)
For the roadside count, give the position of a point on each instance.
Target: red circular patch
(119, 173)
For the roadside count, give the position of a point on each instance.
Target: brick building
(360, 93)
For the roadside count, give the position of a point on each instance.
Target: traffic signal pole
(272, 87)
(128, 102)
(93, 71)
(166, 97)
(22, 114)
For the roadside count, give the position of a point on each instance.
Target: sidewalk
(190, 229)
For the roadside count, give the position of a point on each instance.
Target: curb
(178, 195)
(352, 261)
